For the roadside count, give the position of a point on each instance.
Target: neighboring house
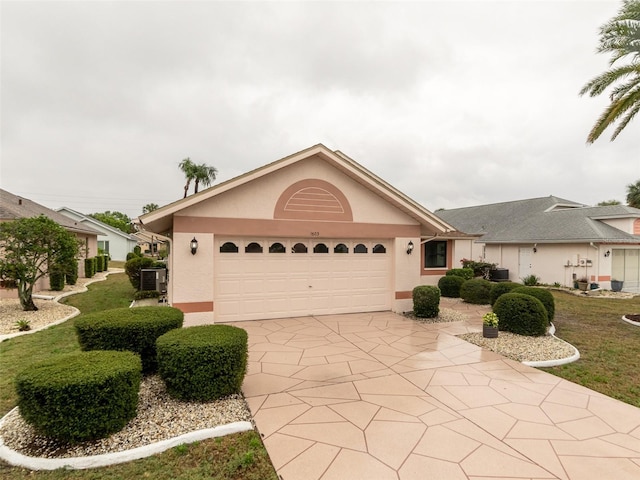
(558, 240)
(112, 240)
(150, 243)
(13, 207)
(311, 234)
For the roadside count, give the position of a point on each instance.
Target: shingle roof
(97, 223)
(545, 219)
(13, 207)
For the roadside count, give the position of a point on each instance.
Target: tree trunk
(26, 299)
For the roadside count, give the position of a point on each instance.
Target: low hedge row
(203, 363)
(501, 288)
(132, 329)
(80, 396)
(477, 291)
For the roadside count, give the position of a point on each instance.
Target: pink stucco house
(310, 234)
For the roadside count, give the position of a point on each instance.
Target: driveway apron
(380, 396)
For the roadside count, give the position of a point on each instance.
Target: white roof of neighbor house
(542, 220)
(98, 223)
(13, 207)
(160, 220)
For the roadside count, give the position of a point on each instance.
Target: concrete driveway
(377, 396)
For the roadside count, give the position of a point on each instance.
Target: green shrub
(56, 278)
(450, 285)
(105, 259)
(426, 301)
(476, 290)
(80, 396)
(89, 267)
(542, 294)
(480, 269)
(71, 272)
(133, 266)
(466, 273)
(499, 288)
(203, 363)
(132, 329)
(531, 280)
(522, 314)
(142, 294)
(100, 263)
(131, 255)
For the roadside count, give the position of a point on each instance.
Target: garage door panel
(264, 285)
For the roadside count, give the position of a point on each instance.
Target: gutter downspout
(597, 262)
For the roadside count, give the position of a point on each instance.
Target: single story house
(13, 207)
(112, 240)
(313, 233)
(555, 239)
(150, 244)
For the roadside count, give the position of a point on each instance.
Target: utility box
(153, 279)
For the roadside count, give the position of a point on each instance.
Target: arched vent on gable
(313, 199)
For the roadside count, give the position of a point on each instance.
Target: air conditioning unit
(582, 262)
(153, 279)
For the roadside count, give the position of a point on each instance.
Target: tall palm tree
(620, 36)
(633, 194)
(189, 170)
(204, 174)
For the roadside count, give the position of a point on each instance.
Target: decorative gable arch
(313, 199)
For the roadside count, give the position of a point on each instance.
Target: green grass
(234, 457)
(609, 360)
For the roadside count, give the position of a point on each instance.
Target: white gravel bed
(159, 417)
(47, 313)
(522, 348)
(445, 315)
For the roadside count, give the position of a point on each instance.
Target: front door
(524, 262)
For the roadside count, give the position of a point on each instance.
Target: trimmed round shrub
(522, 314)
(542, 294)
(499, 288)
(450, 286)
(476, 290)
(133, 266)
(466, 273)
(132, 329)
(426, 301)
(203, 363)
(80, 396)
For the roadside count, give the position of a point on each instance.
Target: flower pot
(489, 331)
(583, 286)
(616, 285)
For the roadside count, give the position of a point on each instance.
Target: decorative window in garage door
(255, 246)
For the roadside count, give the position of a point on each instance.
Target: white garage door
(273, 278)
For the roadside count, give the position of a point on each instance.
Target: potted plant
(490, 325)
(583, 284)
(616, 285)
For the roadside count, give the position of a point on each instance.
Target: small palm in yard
(234, 457)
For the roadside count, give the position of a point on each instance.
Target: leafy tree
(150, 207)
(620, 36)
(115, 219)
(633, 194)
(189, 170)
(204, 174)
(30, 247)
(605, 203)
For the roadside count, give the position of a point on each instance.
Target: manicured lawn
(234, 457)
(609, 348)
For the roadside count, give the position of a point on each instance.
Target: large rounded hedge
(450, 286)
(80, 396)
(500, 288)
(134, 329)
(476, 290)
(542, 294)
(426, 301)
(522, 314)
(466, 273)
(203, 363)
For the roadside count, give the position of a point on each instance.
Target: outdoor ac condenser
(153, 279)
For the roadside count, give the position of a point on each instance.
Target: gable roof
(13, 207)
(160, 220)
(97, 223)
(542, 220)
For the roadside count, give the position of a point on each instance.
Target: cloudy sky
(454, 103)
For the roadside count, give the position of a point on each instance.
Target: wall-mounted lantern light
(409, 247)
(194, 246)
(607, 253)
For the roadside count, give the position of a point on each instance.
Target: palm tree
(620, 36)
(189, 170)
(204, 174)
(633, 194)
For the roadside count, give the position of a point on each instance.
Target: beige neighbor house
(13, 207)
(555, 239)
(311, 234)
